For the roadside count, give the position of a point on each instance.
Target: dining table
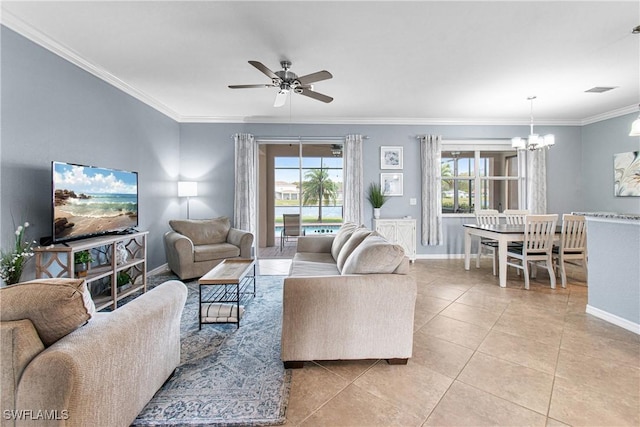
(503, 234)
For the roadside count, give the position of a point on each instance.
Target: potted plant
(377, 198)
(82, 260)
(123, 281)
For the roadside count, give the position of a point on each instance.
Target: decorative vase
(121, 253)
(376, 213)
(81, 269)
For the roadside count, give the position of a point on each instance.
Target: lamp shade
(635, 127)
(187, 189)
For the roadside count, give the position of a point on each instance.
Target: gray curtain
(430, 148)
(353, 179)
(537, 181)
(244, 203)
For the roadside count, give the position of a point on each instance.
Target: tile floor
(483, 356)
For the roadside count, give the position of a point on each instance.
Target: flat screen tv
(90, 201)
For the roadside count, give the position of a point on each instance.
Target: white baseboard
(161, 269)
(612, 318)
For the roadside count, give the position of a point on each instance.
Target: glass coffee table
(222, 290)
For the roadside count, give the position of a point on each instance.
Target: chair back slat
(515, 216)
(487, 217)
(539, 231)
(574, 233)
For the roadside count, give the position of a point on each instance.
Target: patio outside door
(301, 177)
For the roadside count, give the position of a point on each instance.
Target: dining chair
(515, 216)
(488, 217)
(537, 246)
(573, 245)
(290, 228)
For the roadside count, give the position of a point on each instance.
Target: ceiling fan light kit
(533, 141)
(287, 81)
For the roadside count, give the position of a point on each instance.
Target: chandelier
(534, 141)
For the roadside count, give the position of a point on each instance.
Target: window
(480, 177)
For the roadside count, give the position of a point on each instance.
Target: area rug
(228, 376)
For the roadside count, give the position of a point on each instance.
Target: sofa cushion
(216, 251)
(356, 238)
(320, 257)
(313, 264)
(56, 307)
(342, 235)
(374, 255)
(203, 231)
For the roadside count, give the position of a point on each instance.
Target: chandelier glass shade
(533, 141)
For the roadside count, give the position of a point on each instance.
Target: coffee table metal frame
(231, 281)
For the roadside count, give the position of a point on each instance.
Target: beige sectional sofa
(193, 247)
(65, 365)
(348, 296)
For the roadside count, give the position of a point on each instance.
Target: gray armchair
(193, 247)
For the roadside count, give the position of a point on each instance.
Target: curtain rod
(468, 138)
(300, 138)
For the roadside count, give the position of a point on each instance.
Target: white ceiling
(392, 62)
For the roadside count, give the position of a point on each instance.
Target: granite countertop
(611, 215)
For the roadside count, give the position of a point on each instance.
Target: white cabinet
(400, 231)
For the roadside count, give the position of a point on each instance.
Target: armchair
(193, 247)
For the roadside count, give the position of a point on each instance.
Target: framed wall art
(391, 184)
(626, 171)
(391, 157)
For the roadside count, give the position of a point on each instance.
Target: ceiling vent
(600, 89)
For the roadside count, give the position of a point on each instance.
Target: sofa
(63, 364)
(193, 247)
(347, 296)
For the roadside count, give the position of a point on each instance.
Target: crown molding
(610, 115)
(16, 24)
(412, 121)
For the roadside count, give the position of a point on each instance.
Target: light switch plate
(413, 201)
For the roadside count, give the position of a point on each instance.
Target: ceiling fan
(287, 81)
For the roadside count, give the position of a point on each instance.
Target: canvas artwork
(391, 157)
(391, 184)
(626, 169)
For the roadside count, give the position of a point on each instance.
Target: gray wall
(52, 110)
(600, 141)
(207, 156)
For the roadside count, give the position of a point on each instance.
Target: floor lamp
(187, 189)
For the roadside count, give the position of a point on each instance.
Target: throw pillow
(56, 307)
(374, 255)
(203, 231)
(341, 238)
(356, 238)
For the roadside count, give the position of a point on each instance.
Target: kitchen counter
(610, 215)
(613, 248)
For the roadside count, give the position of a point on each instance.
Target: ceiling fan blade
(263, 68)
(315, 95)
(281, 98)
(315, 77)
(249, 86)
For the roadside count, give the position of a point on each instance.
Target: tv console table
(58, 261)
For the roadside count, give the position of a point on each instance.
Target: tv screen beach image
(91, 200)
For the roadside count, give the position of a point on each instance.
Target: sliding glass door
(303, 178)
